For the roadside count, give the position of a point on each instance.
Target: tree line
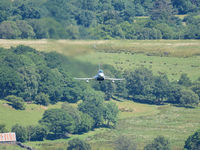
(27, 75)
(99, 19)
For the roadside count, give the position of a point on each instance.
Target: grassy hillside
(172, 57)
(30, 116)
(140, 122)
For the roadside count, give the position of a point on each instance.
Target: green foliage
(58, 122)
(29, 74)
(158, 143)
(110, 114)
(3, 128)
(21, 132)
(188, 98)
(77, 144)
(36, 133)
(196, 88)
(26, 29)
(42, 99)
(83, 122)
(193, 141)
(86, 123)
(93, 105)
(9, 30)
(162, 10)
(96, 19)
(184, 80)
(102, 113)
(124, 143)
(16, 102)
(140, 84)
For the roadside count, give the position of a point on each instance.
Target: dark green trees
(193, 141)
(21, 132)
(36, 133)
(73, 19)
(3, 128)
(140, 84)
(58, 121)
(158, 143)
(37, 77)
(102, 113)
(144, 87)
(16, 102)
(189, 98)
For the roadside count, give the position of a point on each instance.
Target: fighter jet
(99, 77)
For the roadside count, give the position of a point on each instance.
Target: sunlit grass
(30, 116)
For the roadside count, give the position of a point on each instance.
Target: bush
(77, 144)
(36, 133)
(124, 143)
(188, 98)
(3, 128)
(193, 141)
(21, 132)
(58, 121)
(159, 143)
(16, 102)
(42, 99)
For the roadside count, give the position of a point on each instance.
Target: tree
(21, 132)
(162, 10)
(86, 123)
(26, 29)
(193, 141)
(184, 80)
(183, 6)
(9, 30)
(16, 102)
(5, 6)
(107, 87)
(58, 121)
(196, 88)
(42, 99)
(110, 114)
(93, 105)
(83, 122)
(40, 28)
(174, 93)
(74, 113)
(124, 143)
(159, 143)
(77, 144)
(140, 85)
(36, 133)
(3, 128)
(189, 98)
(161, 89)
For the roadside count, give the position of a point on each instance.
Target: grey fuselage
(100, 76)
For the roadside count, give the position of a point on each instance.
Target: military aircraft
(99, 77)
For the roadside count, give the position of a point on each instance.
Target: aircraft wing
(83, 78)
(113, 79)
(86, 79)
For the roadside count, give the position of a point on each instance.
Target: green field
(172, 57)
(140, 122)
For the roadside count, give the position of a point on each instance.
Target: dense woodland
(100, 19)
